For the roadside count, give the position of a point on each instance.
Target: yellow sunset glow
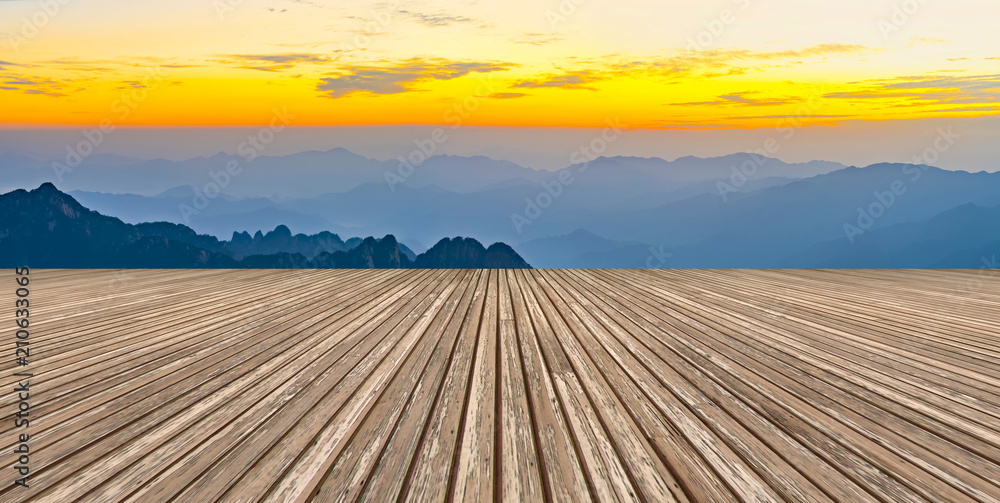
(567, 63)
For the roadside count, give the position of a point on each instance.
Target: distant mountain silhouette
(884, 215)
(583, 249)
(770, 227)
(467, 253)
(341, 192)
(961, 238)
(47, 228)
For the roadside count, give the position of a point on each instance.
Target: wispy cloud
(401, 77)
(539, 38)
(35, 85)
(715, 59)
(740, 98)
(435, 19)
(994, 108)
(688, 65)
(506, 96)
(575, 80)
(912, 91)
(717, 62)
(43, 92)
(776, 116)
(965, 83)
(272, 62)
(927, 40)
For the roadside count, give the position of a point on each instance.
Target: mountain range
(47, 228)
(740, 210)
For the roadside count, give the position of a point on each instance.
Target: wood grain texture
(494, 385)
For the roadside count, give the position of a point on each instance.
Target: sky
(663, 65)
(565, 63)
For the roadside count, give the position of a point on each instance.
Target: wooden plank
(841, 421)
(396, 461)
(662, 385)
(474, 477)
(561, 470)
(520, 474)
(347, 478)
(432, 473)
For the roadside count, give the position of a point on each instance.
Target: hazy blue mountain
(763, 228)
(304, 174)
(179, 192)
(985, 257)
(342, 192)
(219, 217)
(583, 249)
(468, 174)
(634, 210)
(312, 173)
(957, 238)
(692, 169)
(48, 228)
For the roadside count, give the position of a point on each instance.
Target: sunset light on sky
(565, 63)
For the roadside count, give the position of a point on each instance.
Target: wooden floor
(653, 386)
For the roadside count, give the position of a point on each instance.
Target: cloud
(928, 40)
(273, 62)
(401, 77)
(787, 116)
(927, 90)
(435, 20)
(739, 99)
(691, 64)
(506, 96)
(539, 39)
(819, 50)
(994, 109)
(43, 92)
(130, 84)
(121, 66)
(576, 80)
(721, 57)
(706, 64)
(34, 85)
(967, 83)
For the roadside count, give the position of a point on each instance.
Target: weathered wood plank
(432, 386)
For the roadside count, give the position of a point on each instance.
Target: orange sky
(569, 63)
